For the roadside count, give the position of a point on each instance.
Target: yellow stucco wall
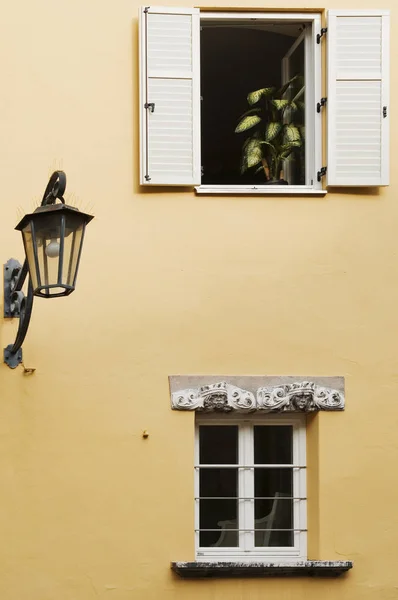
(173, 283)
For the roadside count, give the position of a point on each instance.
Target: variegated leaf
(280, 104)
(254, 97)
(253, 154)
(291, 133)
(290, 145)
(272, 131)
(284, 104)
(247, 123)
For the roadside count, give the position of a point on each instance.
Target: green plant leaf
(286, 154)
(252, 153)
(254, 97)
(290, 145)
(247, 123)
(272, 130)
(287, 149)
(252, 111)
(291, 133)
(271, 148)
(280, 104)
(286, 86)
(284, 104)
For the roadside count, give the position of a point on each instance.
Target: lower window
(250, 488)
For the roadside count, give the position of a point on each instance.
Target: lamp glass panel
(28, 243)
(48, 241)
(72, 242)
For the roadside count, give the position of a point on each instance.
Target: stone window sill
(310, 568)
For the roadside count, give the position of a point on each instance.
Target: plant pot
(276, 182)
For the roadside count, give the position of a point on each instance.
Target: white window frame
(247, 552)
(313, 120)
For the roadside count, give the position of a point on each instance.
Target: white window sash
(247, 550)
(313, 120)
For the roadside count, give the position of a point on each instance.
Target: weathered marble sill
(310, 568)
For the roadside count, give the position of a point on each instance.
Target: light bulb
(52, 250)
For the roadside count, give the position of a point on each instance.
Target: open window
(254, 118)
(234, 102)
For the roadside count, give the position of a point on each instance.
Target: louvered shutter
(358, 103)
(170, 91)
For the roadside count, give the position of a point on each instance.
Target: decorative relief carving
(215, 397)
(305, 396)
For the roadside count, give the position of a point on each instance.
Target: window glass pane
(219, 507)
(294, 165)
(218, 444)
(273, 506)
(273, 444)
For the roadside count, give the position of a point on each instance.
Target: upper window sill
(309, 568)
(265, 190)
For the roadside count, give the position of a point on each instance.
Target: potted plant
(274, 134)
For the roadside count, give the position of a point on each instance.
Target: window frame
(247, 552)
(313, 119)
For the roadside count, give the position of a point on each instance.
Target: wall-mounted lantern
(53, 238)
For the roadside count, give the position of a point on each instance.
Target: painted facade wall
(171, 283)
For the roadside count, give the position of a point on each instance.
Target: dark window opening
(236, 60)
(222, 489)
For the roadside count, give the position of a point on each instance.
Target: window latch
(320, 104)
(150, 105)
(321, 173)
(320, 35)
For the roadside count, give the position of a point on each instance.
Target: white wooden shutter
(358, 98)
(170, 88)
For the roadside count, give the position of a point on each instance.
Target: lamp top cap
(51, 209)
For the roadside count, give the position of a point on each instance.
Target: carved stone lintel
(305, 396)
(215, 397)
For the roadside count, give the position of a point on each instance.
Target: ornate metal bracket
(16, 304)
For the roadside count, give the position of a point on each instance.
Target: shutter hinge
(384, 112)
(150, 105)
(146, 9)
(202, 171)
(320, 104)
(321, 173)
(320, 35)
